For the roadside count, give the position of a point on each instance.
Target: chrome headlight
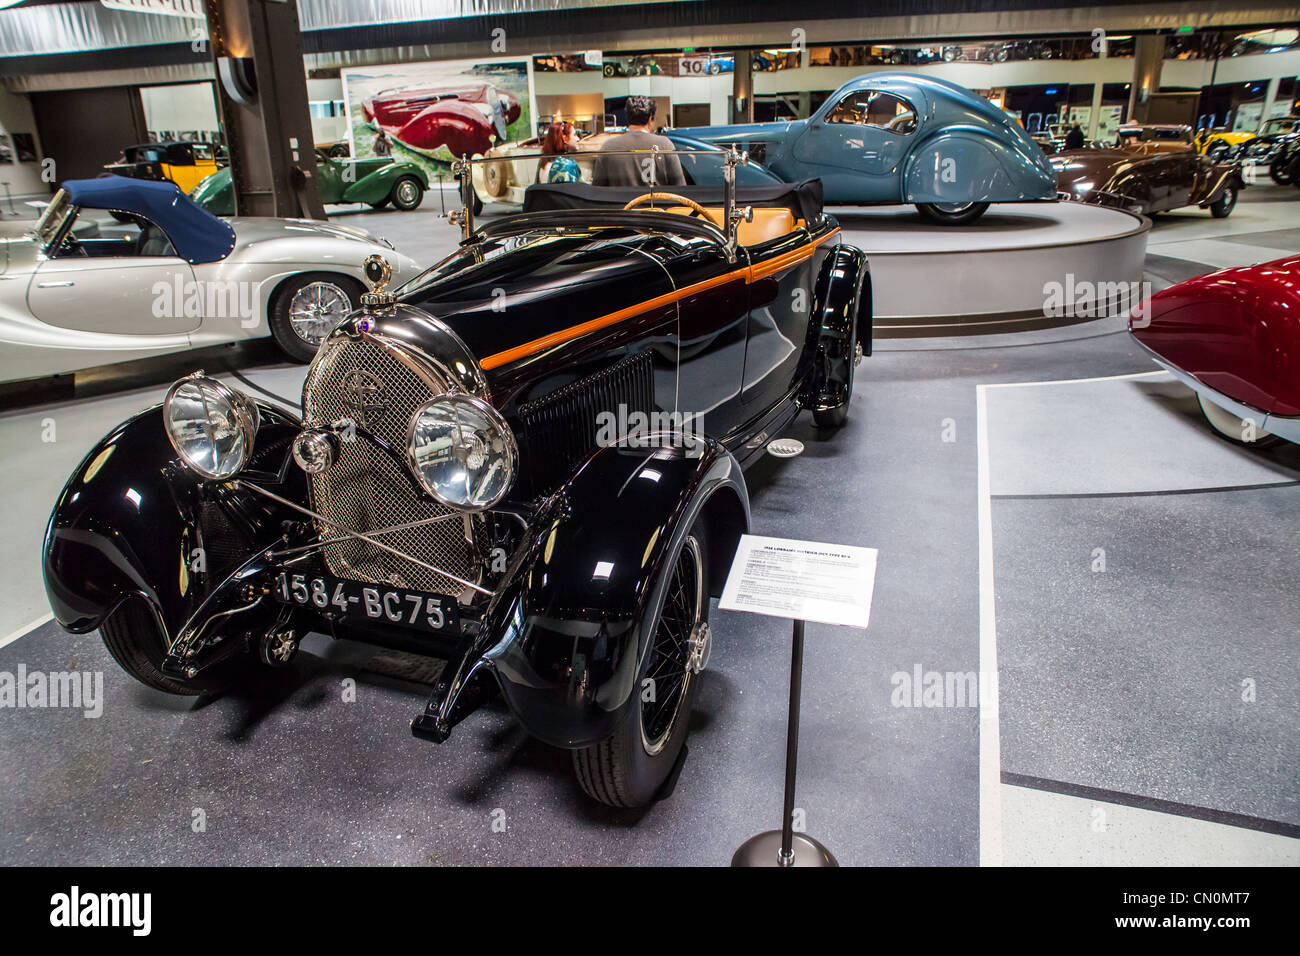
(210, 425)
(462, 451)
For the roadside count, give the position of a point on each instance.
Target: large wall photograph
(431, 113)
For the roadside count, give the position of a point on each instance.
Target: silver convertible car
(167, 277)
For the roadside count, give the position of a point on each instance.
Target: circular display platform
(1019, 266)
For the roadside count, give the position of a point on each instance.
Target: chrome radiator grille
(366, 489)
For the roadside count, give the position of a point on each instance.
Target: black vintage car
(527, 462)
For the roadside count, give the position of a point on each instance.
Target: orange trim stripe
(749, 273)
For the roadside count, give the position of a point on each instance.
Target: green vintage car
(377, 181)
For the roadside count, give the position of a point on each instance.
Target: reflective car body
(1233, 336)
(1148, 176)
(464, 118)
(174, 278)
(934, 142)
(372, 181)
(185, 164)
(563, 325)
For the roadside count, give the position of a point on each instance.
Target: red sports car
(1234, 337)
(463, 117)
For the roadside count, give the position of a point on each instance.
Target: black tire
(339, 151)
(478, 205)
(952, 217)
(622, 771)
(407, 193)
(608, 69)
(1277, 171)
(131, 635)
(1293, 171)
(379, 205)
(291, 343)
(1222, 207)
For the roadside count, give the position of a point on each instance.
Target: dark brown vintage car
(1152, 169)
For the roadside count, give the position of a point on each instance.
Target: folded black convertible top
(803, 199)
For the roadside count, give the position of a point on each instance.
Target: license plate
(400, 607)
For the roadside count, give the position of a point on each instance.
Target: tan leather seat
(769, 223)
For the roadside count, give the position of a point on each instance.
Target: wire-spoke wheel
(669, 672)
(307, 308)
(629, 768)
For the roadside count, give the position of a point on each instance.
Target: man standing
(1074, 138)
(632, 170)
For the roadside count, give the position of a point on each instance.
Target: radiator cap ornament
(378, 273)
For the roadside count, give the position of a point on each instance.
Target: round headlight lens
(463, 452)
(210, 425)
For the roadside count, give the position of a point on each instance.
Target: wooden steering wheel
(650, 197)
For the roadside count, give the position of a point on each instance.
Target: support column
(1270, 94)
(1148, 58)
(262, 100)
(1095, 117)
(742, 87)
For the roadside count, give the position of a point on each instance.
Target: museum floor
(993, 473)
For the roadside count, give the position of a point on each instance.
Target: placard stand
(800, 581)
(784, 847)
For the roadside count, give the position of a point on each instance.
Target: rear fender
(566, 633)
(966, 165)
(133, 521)
(377, 185)
(841, 307)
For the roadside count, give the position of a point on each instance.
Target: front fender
(133, 521)
(967, 165)
(377, 185)
(842, 308)
(1213, 183)
(216, 194)
(568, 629)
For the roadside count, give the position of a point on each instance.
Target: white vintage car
(170, 277)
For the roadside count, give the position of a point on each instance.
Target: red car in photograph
(1233, 336)
(463, 117)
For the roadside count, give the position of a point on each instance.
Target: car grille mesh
(368, 489)
(559, 431)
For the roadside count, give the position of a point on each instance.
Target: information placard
(801, 580)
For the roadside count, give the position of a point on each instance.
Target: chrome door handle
(54, 285)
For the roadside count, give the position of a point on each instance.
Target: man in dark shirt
(630, 170)
(1074, 138)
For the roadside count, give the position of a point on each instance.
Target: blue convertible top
(195, 234)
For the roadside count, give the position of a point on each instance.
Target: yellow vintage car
(1216, 143)
(185, 164)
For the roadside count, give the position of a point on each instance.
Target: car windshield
(52, 219)
(1276, 127)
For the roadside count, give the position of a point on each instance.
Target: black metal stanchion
(784, 847)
